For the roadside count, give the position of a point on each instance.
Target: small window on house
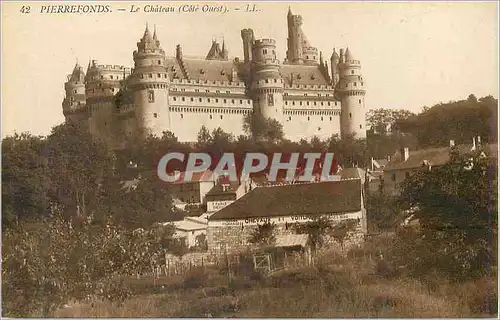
(407, 175)
(393, 177)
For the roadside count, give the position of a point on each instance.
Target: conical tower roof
(348, 55)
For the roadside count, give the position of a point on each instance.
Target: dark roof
(218, 189)
(434, 156)
(308, 74)
(352, 173)
(296, 199)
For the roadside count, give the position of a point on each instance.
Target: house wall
(189, 235)
(233, 235)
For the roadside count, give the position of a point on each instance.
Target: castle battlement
(265, 42)
(110, 67)
(320, 87)
(217, 83)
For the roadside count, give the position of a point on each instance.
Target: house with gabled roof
(231, 227)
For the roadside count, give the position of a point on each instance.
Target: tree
(77, 163)
(260, 128)
(25, 178)
(204, 137)
(263, 235)
(340, 231)
(456, 206)
(201, 242)
(316, 231)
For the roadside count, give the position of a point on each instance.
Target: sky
(412, 54)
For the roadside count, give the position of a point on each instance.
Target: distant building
(226, 192)
(194, 190)
(231, 227)
(189, 229)
(405, 162)
(181, 94)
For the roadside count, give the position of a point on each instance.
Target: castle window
(293, 103)
(248, 101)
(217, 91)
(308, 118)
(155, 115)
(221, 117)
(286, 103)
(102, 77)
(159, 75)
(361, 83)
(359, 100)
(267, 80)
(183, 89)
(111, 76)
(232, 101)
(275, 80)
(241, 101)
(321, 102)
(330, 118)
(270, 99)
(210, 116)
(151, 96)
(228, 92)
(305, 94)
(74, 91)
(192, 99)
(183, 99)
(355, 84)
(350, 115)
(182, 116)
(307, 57)
(335, 103)
(175, 99)
(314, 102)
(208, 100)
(289, 118)
(360, 126)
(225, 100)
(150, 75)
(216, 100)
(264, 51)
(300, 103)
(207, 90)
(352, 71)
(328, 102)
(307, 102)
(159, 61)
(321, 118)
(196, 90)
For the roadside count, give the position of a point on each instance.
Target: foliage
(25, 181)
(264, 234)
(456, 120)
(201, 242)
(341, 231)
(46, 265)
(456, 206)
(260, 128)
(316, 231)
(383, 212)
(379, 120)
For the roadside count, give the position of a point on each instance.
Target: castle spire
(154, 34)
(147, 35)
(290, 11)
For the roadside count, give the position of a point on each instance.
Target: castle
(181, 94)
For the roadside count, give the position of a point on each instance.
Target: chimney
(388, 158)
(473, 144)
(452, 143)
(178, 52)
(478, 140)
(405, 153)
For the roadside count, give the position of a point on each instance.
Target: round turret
(149, 85)
(267, 84)
(74, 102)
(351, 91)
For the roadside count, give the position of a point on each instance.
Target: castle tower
(266, 85)
(149, 85)
(294, 41)
(334, 61)
(351, 91)
(74, 102)
(248, 38)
